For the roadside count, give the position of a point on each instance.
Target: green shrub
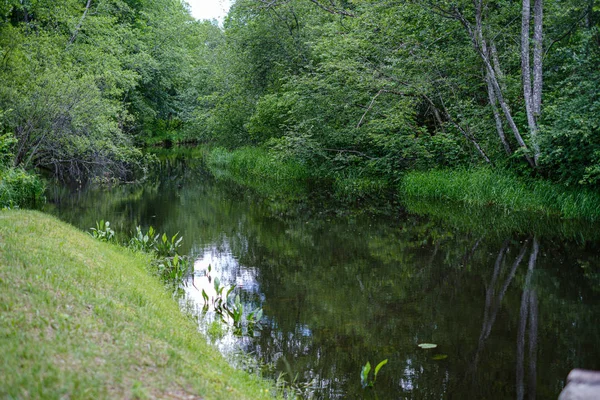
(20, 189)
(7, 144)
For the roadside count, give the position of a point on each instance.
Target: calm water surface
(512, 305)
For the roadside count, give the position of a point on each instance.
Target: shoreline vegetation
(85, 319)
(355, 105)
(481, 187)
(484, 187)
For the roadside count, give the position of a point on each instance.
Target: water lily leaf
(427, 345)
(439, 357)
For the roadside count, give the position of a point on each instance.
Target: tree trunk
(499, 127)
(76, 32)
(538, 13)
(528, 91)
(479, 43)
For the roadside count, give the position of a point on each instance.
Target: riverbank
(484, 187)
(85, 319)
(256, 168)
(480, 187)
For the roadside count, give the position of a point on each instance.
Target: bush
(18, 188)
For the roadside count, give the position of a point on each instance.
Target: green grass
(19, 188)
(486, 187)
(257, 168)
(82, 319)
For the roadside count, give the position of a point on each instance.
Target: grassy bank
(83, 319)
(255, 168)
(486, 187)
(288, 179)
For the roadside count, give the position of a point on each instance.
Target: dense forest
(357, 92)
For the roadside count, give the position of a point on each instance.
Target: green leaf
(427, 346)
(378, 367)
(439, 357)
(364, 374)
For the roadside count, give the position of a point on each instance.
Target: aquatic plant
(294, 387)
(231, 308)
(103, 232)
(364, 374)
(170, 266)
(172, 269)
(168, 248)
(141, 241)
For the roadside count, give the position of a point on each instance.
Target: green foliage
(571, 126)
(231, 309)
(20, 189)
(487, 187)
(153, 242)
(257, 168)
(166, 247)
(7, 145)
(103, 232)
(145, 242)
(80, 85)
(397, 87)
(172, 269)
(365, 379)
(168, 263)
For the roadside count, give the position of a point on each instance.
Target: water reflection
(512, 309)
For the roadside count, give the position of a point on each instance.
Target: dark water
(511, 302)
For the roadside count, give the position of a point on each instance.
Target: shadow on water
(512, 301)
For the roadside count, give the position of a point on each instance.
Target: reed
(257, 168)
(483, 187)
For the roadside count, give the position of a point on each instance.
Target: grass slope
(82, 319)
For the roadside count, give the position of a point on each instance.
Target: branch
(76, 32)
(333, 9)
(368, 109)
(568, 32)
(373, 102)
(360, 153)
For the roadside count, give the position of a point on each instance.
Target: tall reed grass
(258, 169)
(487, 187)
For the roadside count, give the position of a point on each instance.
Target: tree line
(84, 82)
(362, 91)
(359, 91)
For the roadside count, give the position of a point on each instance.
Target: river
(511, 303)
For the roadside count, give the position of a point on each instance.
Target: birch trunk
(538, 13)
(487, 53)
(499, 127)
(526, 78)
(492, 74)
